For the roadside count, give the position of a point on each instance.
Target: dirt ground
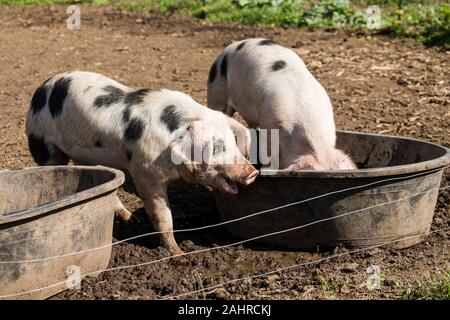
(376, 85)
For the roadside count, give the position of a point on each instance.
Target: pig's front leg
(158, 211)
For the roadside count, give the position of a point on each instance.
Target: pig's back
(272, 81)
(78, 112)
(79, 96)
(271, 86)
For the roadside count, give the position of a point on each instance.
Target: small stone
(273, 277)
(221, 293)
(308, 288)
(345, 289)
(349, 267)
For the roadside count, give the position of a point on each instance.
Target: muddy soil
(376, 84)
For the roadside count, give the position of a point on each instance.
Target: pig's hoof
(176, 251)
(124, 215)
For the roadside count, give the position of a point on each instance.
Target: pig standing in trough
(95, 120)
(270, 86)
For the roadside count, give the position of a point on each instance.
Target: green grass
(430, 289)
(325, 283)
(31, 2)
(425, 21)
(140, 5)
(429, 24)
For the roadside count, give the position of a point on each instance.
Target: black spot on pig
(136, 96)
(39, 99)
(87, 89)
(278, 65)
(126, 114)
(240, 46)
(267, 42)
(171, 117)
(224, 66)
(114, 90)
(114, 95)
(98, 143)
(58, 95)
(129, 155)
(134, 130)
(38, 150)
(212, 72)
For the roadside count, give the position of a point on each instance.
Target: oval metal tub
(48, 212)
(400, 179)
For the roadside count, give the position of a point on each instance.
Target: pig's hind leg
(120, 211)
(46, 153)
(217, 95)
(123, 213)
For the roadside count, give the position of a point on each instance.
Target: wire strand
(216, 224)
(208, 249)
(296, 266)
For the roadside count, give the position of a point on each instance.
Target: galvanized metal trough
(392, 196)
(47, 213)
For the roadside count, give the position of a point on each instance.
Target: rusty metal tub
(47, 212)
(402, 173)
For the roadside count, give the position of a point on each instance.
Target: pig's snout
(249, 177)
(243, 173)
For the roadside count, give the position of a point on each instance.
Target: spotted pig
(270, 86)
(93, 120)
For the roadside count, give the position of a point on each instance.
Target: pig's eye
(218, 146)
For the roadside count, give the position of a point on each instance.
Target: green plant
(138, 5)
(429, 24)
(425, 21)
(333, 14)
(430, 289)
(266, 12)
(36, 2)
(326, 284)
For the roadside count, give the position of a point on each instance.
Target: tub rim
(439, 162)
(94, 192)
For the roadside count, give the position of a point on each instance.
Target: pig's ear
(343, 161)
(181, 146)
(242, 136)
(201, 136)
(190, 144)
